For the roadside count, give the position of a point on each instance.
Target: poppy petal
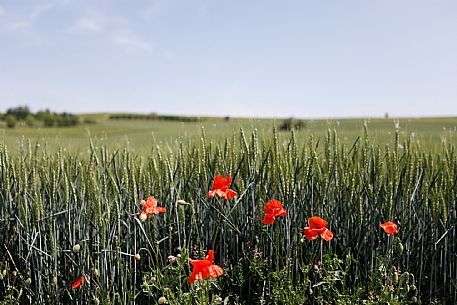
(77, 283)
(281, 213)
(198, 263)
(210, 256)
(195, 275)
(161, 210)
(229, 194)
(219, 182)
(327, 235)
(80, 281)
(389, 227)
(310, 233)
(220, 193)
(204, 268)
(268, 219)
(227, 181)
(271, 206)
(317, 222)
(215, 271)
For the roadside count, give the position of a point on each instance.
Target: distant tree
(291, 123)
(20, 113)
(49, 120)
(42, 114)
(66, 119)
(30, 120)
(10, 121)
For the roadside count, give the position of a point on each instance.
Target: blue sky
(302, 58)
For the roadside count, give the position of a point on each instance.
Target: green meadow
(71, 230)
(140, 135)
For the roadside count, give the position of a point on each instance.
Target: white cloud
(87, 24)
(114, 28)
(118, 30)
(131, 42)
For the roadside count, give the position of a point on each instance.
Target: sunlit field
(78, 224)
(141, 135)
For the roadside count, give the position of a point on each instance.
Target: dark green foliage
(20, 112)
(153, 116)
(51, 119)
(30, 120)
(45, 118)
(10, 121)
(292, 124)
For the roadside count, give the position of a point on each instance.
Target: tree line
(46, 118)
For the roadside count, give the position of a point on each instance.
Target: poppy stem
(322, 246)
(207, 291)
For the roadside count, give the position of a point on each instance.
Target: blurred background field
(141, 135)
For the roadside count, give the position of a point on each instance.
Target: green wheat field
(70, 201)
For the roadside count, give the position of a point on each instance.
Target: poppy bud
(137, 257)
(143, 217)
(14, 274)
(414, 300)
(54, 279)
(28, 281)
(76, 248)
(178, 256)
(4, 273)
(162, 300)
(413, 289)
(96, 301)
(182, 202)
(96, 273)
(400, 248)
(395, 278)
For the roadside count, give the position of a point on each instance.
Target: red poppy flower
(204, 268)
(150, 207)
(220, 188)
(317, 226)
(272, 209)
(389, 227)
(79, 282)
